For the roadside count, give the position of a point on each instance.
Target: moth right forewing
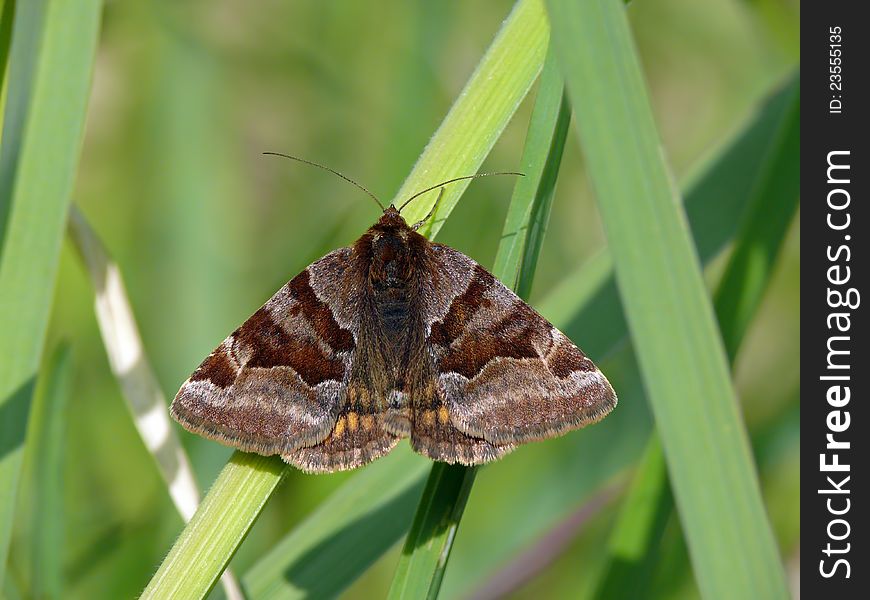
(506, 373)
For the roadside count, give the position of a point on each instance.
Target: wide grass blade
(468, 132)
(427, 548)
(671, 318)
(772, 206)
(587, 305)
(51, 59)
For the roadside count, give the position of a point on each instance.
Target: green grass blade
(50, 66)
(345, 534)
(672, 322)
(468, 132)
(430, 540)
(637, 533)
(7, 16)
(10, 590)
(475, 121)
(543, 203)
(424, 557)
(205, 547)
(542, 155)
(772, 206)
(42, 478)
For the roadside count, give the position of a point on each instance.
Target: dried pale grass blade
(139, 385)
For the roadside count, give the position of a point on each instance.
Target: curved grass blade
(52, 54)
(468, 132)
(772, 206)
(671, 319)
(427, 548)
(131, 368)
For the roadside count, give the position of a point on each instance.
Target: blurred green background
(187, 95)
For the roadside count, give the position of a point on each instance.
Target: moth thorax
(391, 267)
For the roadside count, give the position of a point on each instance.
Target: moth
(392, 337)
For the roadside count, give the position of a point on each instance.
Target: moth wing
(359, 435)
(279, 382)
(506, 374)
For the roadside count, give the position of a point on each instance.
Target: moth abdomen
(394, 314)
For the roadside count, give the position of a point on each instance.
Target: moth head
(392, 218)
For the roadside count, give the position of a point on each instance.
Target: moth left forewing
(507, 375)
(279, 381)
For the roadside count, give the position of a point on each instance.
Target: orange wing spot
(363, 398)
(352, 421)
(443, 415)
(428, 418)
(368, 422)
(339, 428)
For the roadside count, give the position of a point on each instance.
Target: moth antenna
(417, 225)
(333, 171)
(443, 183)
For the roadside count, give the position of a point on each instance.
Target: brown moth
(392, 337)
